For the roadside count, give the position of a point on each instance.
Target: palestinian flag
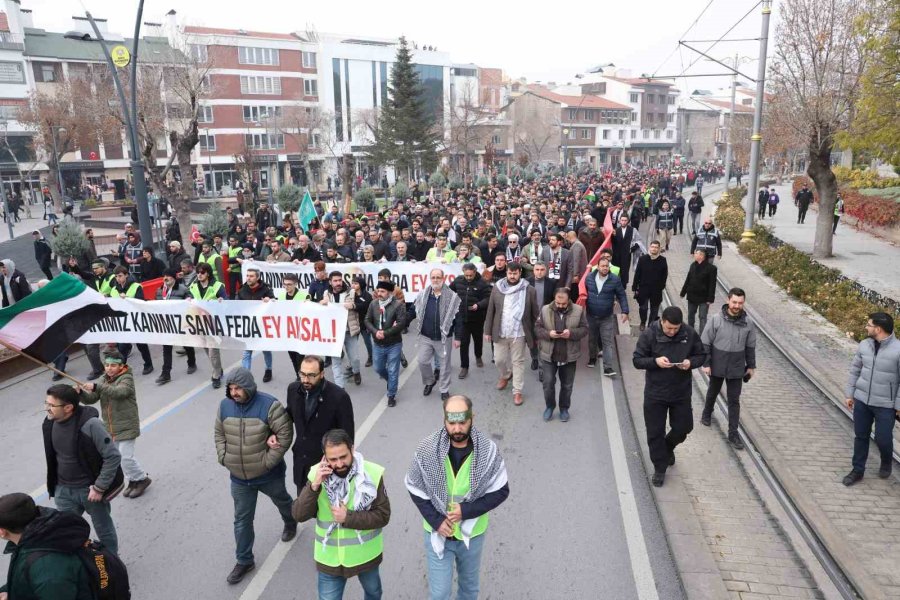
(49, 320)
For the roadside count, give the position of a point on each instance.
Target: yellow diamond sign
(120, 56)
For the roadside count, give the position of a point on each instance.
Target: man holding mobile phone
(668, 349)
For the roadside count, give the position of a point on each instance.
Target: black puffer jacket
(672, 384)
(700, 283)
(477, 291)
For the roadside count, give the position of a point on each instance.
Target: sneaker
(852, 477)
(479, 363)
(534, 364)
(267, 376)
(216, 382)
(548, 414)
(56, 377)
(147, 370)
(735, 441)
(463, 373)
(191, 369)
(592, 363)
(564, 415)
(705, 420)
(357, 378)
(140, 487)
(658, 479)
(369, 362)
(238, 573)
(392, 401)
(609, 372)
(163, 378)
(289, 532)
(403, 362)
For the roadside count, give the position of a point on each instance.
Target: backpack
(106, 572)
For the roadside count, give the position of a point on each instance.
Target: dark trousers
(167, 358)
(733, 394)
(61, 361)
(801, 213)
(234, 282)
(45, 269)
(864, 416)
(773, 208)
(296, 359)
(837, 219)
(648, 307)
(473, 331)
(761, 213)
(566, 374)
(693, 309)
(679, 224)
(681, 423)
(125, 351)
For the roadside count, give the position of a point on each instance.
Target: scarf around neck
(338, 491)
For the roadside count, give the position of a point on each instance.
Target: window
(670, 118)
(669, 133)
(495, 139)
(634, 117)
(656, 134)
(606, 134)
(176, 111)
(309, 60)
(662, 118)
(207, 142)
(573, 114)
(265, 141)
(254, 114)
(199, 53)
(205, 114)
(621, 134)
(573, 133)
(671, 99)
(459, 72)
(310, 87)
(589, 115)
(11, 72)
(633, 97)
(650, 98)
(645, 133)
(9, 113)
(315, 141)
(205, 84)
(662, 99)
(585, 134)
(46, 72)
(633, 133)
(649, 117)
(260, 85)
(747, 101)
(258, 56)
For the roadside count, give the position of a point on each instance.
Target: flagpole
(41, 363)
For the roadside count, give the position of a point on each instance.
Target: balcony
(11, 41)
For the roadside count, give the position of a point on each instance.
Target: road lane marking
(270, 566)
(644, 582)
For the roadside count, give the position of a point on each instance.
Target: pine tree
(70, 241)
(405, 135)
(214, 222)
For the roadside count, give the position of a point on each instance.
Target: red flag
(609, 230)
(195, 234)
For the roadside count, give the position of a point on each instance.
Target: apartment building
(15, 85)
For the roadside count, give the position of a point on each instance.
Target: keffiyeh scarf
(427, 476)
(338, 490)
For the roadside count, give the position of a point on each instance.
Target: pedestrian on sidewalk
(118, 403)
(762, 201)
(512, 311)
(667, 350)
(650, 278)
(802, 200)
(774, 199)
(838, 211)
(625, 242)
(42, 253)
(83, 464)
(456, 478)
(604, 288)
(729, 341)
(709, 239)
(439, 331)
(385, 320)
(345, 494)
(245, 423)
(13, 284)
(678, 206)
(665, 223)
(699, 288)
(873, 394)
(316, 406)
(559, 329)
(695, 207)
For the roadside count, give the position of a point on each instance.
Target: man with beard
(316, 406)
(456, 478)
(438, 308)
(624, 242)
(346, 496)
(474, 293)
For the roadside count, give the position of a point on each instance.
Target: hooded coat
(118, 405)
(14, 286)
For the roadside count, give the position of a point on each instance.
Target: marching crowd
(536, 281)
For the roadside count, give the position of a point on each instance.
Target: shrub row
(881, 209)
(857, 178)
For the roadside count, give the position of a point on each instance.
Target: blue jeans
(864, 416)
(75, 500)
(386, 360)
(247, 359)
(367, 340)
(468, 568)
(245, 510)
(331, 587)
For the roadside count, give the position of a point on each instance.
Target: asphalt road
(580, 521)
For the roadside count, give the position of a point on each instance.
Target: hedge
(878, 208)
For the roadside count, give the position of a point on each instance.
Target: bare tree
(820, 55)
(468, 118)
(537, 128)
(304, 125)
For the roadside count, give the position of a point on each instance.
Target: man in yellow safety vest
(346, 496)
(456, 477)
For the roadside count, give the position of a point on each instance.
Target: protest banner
(230, 324)
(411, 277)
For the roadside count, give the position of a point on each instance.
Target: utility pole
(729, 152)
(756, 138)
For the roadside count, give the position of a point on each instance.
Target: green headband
(112, 360)
(458, 417)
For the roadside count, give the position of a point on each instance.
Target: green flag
(307, 211)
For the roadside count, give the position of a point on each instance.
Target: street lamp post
(756, 138)
(729, 151)
(565, 132)
(9, 215)
(54, 129)
(212, 176)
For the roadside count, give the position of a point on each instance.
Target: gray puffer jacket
(242, 429)
(730, 344)
(875, 378)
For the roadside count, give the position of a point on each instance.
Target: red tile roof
(248, 34)
(4, 22)
(640, 81)
(582, 101)
(723, 104)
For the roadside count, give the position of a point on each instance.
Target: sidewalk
(26, 226)
(857, 254)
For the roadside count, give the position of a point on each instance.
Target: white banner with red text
(303, 327)
(411, 277)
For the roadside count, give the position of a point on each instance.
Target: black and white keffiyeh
(427, 476)
(338, 490)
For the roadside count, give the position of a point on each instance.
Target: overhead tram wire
(730, 29)
(686, 31)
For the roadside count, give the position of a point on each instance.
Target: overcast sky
(551, 42)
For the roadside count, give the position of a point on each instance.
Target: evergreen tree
(405, 135)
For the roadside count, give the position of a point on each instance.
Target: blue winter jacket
(600, 303)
